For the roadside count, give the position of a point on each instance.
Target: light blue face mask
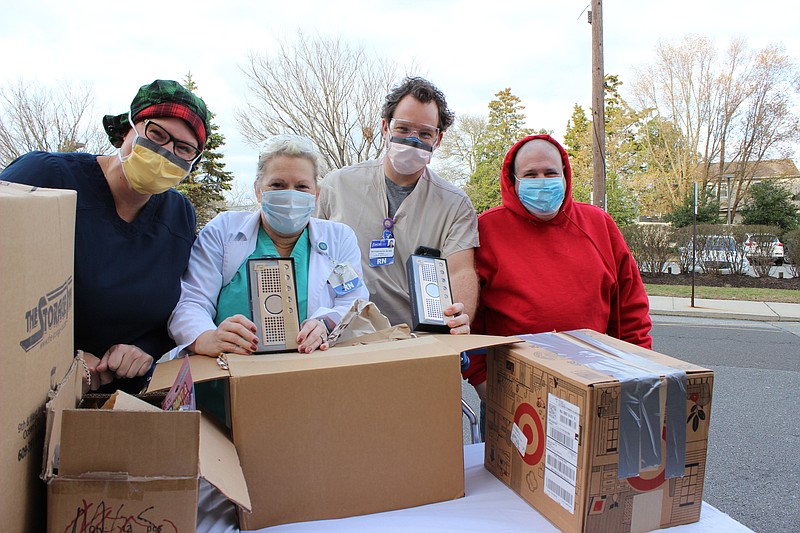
(287, 211)
(541, 196)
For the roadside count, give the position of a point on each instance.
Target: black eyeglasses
(161, 137)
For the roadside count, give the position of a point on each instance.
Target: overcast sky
(470, 49)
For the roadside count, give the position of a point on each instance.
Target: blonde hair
(291, 146)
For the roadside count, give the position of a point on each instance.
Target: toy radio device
(273, 303)
(429, 286)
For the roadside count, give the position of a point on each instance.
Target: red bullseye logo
(526, 418)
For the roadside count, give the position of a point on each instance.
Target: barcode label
(559, 490)
(565, 439)
(561, 459)
(563, 421)
(554, 462)
(568, 421)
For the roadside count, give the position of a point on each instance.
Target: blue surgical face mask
(541, 196)
(287, 211)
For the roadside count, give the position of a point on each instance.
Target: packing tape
(640, 412)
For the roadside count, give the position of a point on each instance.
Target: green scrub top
(234, 298)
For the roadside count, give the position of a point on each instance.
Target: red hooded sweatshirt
(571, 272)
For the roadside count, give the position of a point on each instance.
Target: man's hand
(313, 334)
(125, 361)
(456, 319)
(236, 334)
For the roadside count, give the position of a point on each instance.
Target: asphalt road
(752, 470)
(753, 466)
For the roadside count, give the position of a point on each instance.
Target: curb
(721, 314)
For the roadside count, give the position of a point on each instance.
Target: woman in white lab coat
(213, 313)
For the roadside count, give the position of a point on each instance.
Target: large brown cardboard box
(130, 466)
(37, 228)
(349, 431)
(571, 415)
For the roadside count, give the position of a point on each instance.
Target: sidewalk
(765, 311)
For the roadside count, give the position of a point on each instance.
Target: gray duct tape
(675, 433)
(640, 413)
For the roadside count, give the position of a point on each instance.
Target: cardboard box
(562, 431)
(130, 466)
(348, 431)
(36, 336)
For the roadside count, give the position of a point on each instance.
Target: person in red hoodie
(549, 263)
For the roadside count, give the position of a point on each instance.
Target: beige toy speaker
(273, 303)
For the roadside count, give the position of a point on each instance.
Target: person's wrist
(327, 327)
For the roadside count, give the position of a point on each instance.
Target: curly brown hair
(424, 91)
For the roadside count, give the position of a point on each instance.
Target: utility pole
(598, 107)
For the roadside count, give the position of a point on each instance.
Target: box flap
(203, 369)
(338, 357)
(122, 401)
(463, 343)
(66, 396)
(219, 463)
(139, 443)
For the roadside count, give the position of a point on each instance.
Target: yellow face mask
(152, 169)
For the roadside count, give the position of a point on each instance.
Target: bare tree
(706, 117)
(322, 88)
(457, 157)
(53, 119)
(241, 197)
(676, 91)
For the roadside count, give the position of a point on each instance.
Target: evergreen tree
(707, 211)
(770, 205)
(504, 128)
(207, 181)
(578, 144)
(623, 154)
(624, 157)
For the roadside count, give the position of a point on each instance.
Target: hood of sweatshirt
(507, 181)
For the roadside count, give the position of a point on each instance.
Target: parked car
(721, 252)
(761, 245)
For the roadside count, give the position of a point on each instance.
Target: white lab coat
(228, 240)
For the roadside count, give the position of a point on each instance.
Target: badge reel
(381, 251)
(344, 279)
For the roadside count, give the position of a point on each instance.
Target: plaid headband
(162, 98)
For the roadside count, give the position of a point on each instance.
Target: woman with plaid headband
(133, 231)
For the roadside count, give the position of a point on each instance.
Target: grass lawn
(725, 293)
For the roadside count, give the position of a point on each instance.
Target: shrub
(650, 245)
(791, 247)
(760, 255)
(713, 252)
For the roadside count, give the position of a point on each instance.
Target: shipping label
(561, 451)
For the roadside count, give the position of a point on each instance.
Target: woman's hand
(236, 334)
(456, 320)
(313, 334)
(95, 377)
(125, 361)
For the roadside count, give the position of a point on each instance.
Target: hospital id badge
(344, 279)
(381, 252)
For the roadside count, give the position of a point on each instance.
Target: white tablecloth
(489, 506)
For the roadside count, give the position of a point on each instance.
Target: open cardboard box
(130, 466)
(349, 431)
(562, 431)
(36, 336)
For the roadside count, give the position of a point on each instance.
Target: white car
(764, 245)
